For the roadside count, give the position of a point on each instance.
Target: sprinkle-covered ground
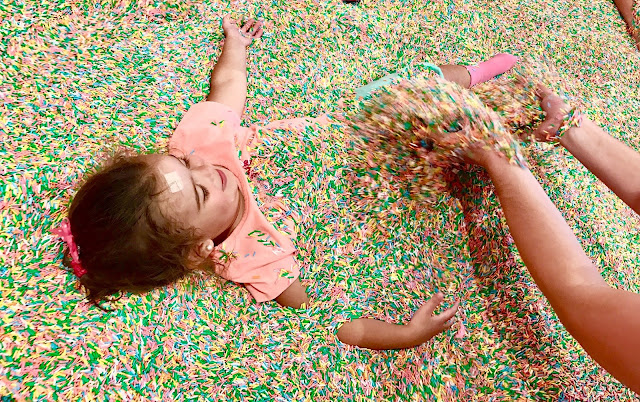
(79, 78)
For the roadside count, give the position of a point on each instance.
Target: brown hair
(124, 242)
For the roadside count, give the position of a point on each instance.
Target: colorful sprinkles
(79, 78)
(415, 131)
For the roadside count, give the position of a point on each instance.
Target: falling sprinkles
(410, 136)
(80, 79)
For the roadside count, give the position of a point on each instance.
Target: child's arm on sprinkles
(228, 82)
(613, 162)
(604, 320)
(378, 335)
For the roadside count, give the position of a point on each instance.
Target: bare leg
(294, 296)
(465, 76)
(457, 74)
(468, 76)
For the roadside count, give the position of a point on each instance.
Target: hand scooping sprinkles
(413, 132)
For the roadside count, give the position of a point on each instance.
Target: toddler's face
(200, 194)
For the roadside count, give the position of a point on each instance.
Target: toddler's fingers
(448, 313)
(227, 22)
(432, 304)
(258, 33)
(247, 25)
(256, 27)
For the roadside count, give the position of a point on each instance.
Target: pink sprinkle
(462, 331)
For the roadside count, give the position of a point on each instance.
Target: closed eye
(205, 193)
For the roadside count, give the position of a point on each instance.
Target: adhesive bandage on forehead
(174, 182)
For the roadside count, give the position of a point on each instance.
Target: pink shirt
(262, 258)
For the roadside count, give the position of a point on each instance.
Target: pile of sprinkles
(416, 129)
(79, 78)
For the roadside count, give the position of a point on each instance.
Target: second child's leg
(468, 76)
(465, 76)
(456, 73)
(294, 296)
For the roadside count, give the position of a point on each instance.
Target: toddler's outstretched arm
(375, 334)
(228, 82)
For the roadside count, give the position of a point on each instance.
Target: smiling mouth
(223, 177)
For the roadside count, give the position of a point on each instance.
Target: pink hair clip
(64, 231)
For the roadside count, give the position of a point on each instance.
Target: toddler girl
(145, 221)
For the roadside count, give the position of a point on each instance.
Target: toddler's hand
(251, 30)
(425, 325)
